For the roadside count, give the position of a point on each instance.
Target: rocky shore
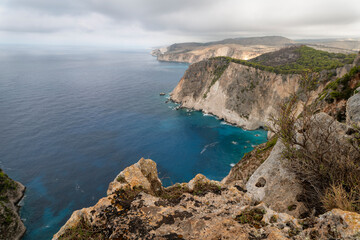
(11, 192)
(264, 195)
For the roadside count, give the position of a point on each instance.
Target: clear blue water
(70, 121)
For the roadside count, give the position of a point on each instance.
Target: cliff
(241, 48)
(245, 48)
(205, 52)
(243, 95)
(11, 192)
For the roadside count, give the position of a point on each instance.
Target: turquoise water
(72, 120)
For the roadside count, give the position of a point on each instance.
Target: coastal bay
(72, 119)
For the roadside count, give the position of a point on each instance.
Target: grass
(269, 144)
(83, 231)
(340, 88)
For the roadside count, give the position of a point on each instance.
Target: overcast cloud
(146, 23)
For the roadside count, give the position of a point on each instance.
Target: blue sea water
(71, 120)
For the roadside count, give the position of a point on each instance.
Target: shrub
(327, 164)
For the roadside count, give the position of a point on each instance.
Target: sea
(72, 118)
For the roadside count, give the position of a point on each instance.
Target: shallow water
(72, 120)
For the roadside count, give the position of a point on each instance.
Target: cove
(71, 120)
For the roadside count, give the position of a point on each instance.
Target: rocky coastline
(11, 193)
(262, 197)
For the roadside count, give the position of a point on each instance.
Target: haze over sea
(72, 119)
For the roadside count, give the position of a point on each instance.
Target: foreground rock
(11, 192)
(137, 207)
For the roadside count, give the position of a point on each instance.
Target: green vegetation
(341, 88)
(121, 179)
(7, 217)
(219, 70)
(201, 189)
(269, 144)
(6, 184)
(273, 219)
(307, 59)
(83, 231)
(174, 192)
(327, 165)
(253, 217)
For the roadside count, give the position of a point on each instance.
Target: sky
(152, 23)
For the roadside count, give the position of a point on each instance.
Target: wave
(207, 146)
(232, 164)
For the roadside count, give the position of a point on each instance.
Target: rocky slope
(138, 207)
(241, 95)
(11, 192)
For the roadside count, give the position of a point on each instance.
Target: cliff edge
(248, 93)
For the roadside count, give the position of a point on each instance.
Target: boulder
(353, 110)
(275, 185)
(142, 174)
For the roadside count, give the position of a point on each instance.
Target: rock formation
(137, 207)
(11, 192)
(239, 94)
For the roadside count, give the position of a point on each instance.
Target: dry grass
(337, 197)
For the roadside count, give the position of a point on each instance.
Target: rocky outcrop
(200, 209)
(275, 185)
(241, 95)
(11, 192)
(353, 110)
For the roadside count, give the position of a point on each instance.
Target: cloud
(149, 22)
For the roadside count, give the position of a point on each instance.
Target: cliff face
(11, 192)
(242, 95)
(239, 94)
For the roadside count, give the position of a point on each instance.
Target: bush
(325, 162)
